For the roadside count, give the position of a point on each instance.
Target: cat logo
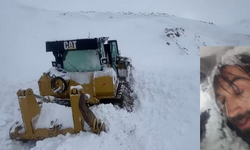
(68, 45)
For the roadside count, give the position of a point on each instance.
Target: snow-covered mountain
(165, 53)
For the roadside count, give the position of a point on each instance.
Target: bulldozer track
(124, 93)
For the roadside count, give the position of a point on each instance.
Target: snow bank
(54, 112)
(231, 57)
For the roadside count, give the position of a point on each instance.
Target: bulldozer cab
(82, 55)
(114, 52)
(81, 61)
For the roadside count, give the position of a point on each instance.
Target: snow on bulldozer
(85, 72)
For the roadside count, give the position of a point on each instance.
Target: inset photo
(225, 98)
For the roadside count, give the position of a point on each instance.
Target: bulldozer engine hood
(82, 77)
(79, 77)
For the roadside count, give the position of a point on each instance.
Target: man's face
(236, 102)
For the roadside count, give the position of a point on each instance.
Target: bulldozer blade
(90, 118)
(30, 111)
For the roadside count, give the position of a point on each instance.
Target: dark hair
(224, 75)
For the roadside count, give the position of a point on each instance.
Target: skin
(235, 104)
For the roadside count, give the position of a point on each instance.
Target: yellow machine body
(103, 87)
(78, 89)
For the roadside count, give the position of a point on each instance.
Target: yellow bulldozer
(85, 72)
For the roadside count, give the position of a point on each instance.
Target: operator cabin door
(114, 52)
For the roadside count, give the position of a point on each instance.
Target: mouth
(243, 123)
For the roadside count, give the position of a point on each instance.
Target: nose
(233, 107)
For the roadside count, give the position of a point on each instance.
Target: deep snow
(166, 70)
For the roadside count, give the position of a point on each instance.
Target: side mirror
(53, 64)
(118, 59)
(119, 52)
(104, 61)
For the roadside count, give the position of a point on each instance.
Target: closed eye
(239, 92)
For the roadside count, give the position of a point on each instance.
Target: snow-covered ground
(165, 54)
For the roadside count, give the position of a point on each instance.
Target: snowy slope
(165, 53)
(219, 12)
